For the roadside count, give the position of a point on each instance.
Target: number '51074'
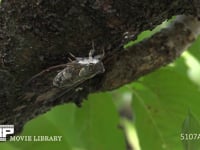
(190, 136)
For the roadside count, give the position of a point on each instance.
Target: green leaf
(94, 126)
(7, 146)
(195, 49)
(161, 102)
(97, 124)
(42, 126)
(191, 133)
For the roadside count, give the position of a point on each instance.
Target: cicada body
(67, 76)
(78, 71)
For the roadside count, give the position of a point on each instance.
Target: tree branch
(152, 53)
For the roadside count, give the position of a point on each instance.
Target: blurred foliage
(160, 104)
(191, 126)
(92, 127)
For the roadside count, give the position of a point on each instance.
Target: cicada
(78, 71)
(74, 72)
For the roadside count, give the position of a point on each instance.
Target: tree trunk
(38, 34)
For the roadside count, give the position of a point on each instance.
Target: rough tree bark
(38, 34)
